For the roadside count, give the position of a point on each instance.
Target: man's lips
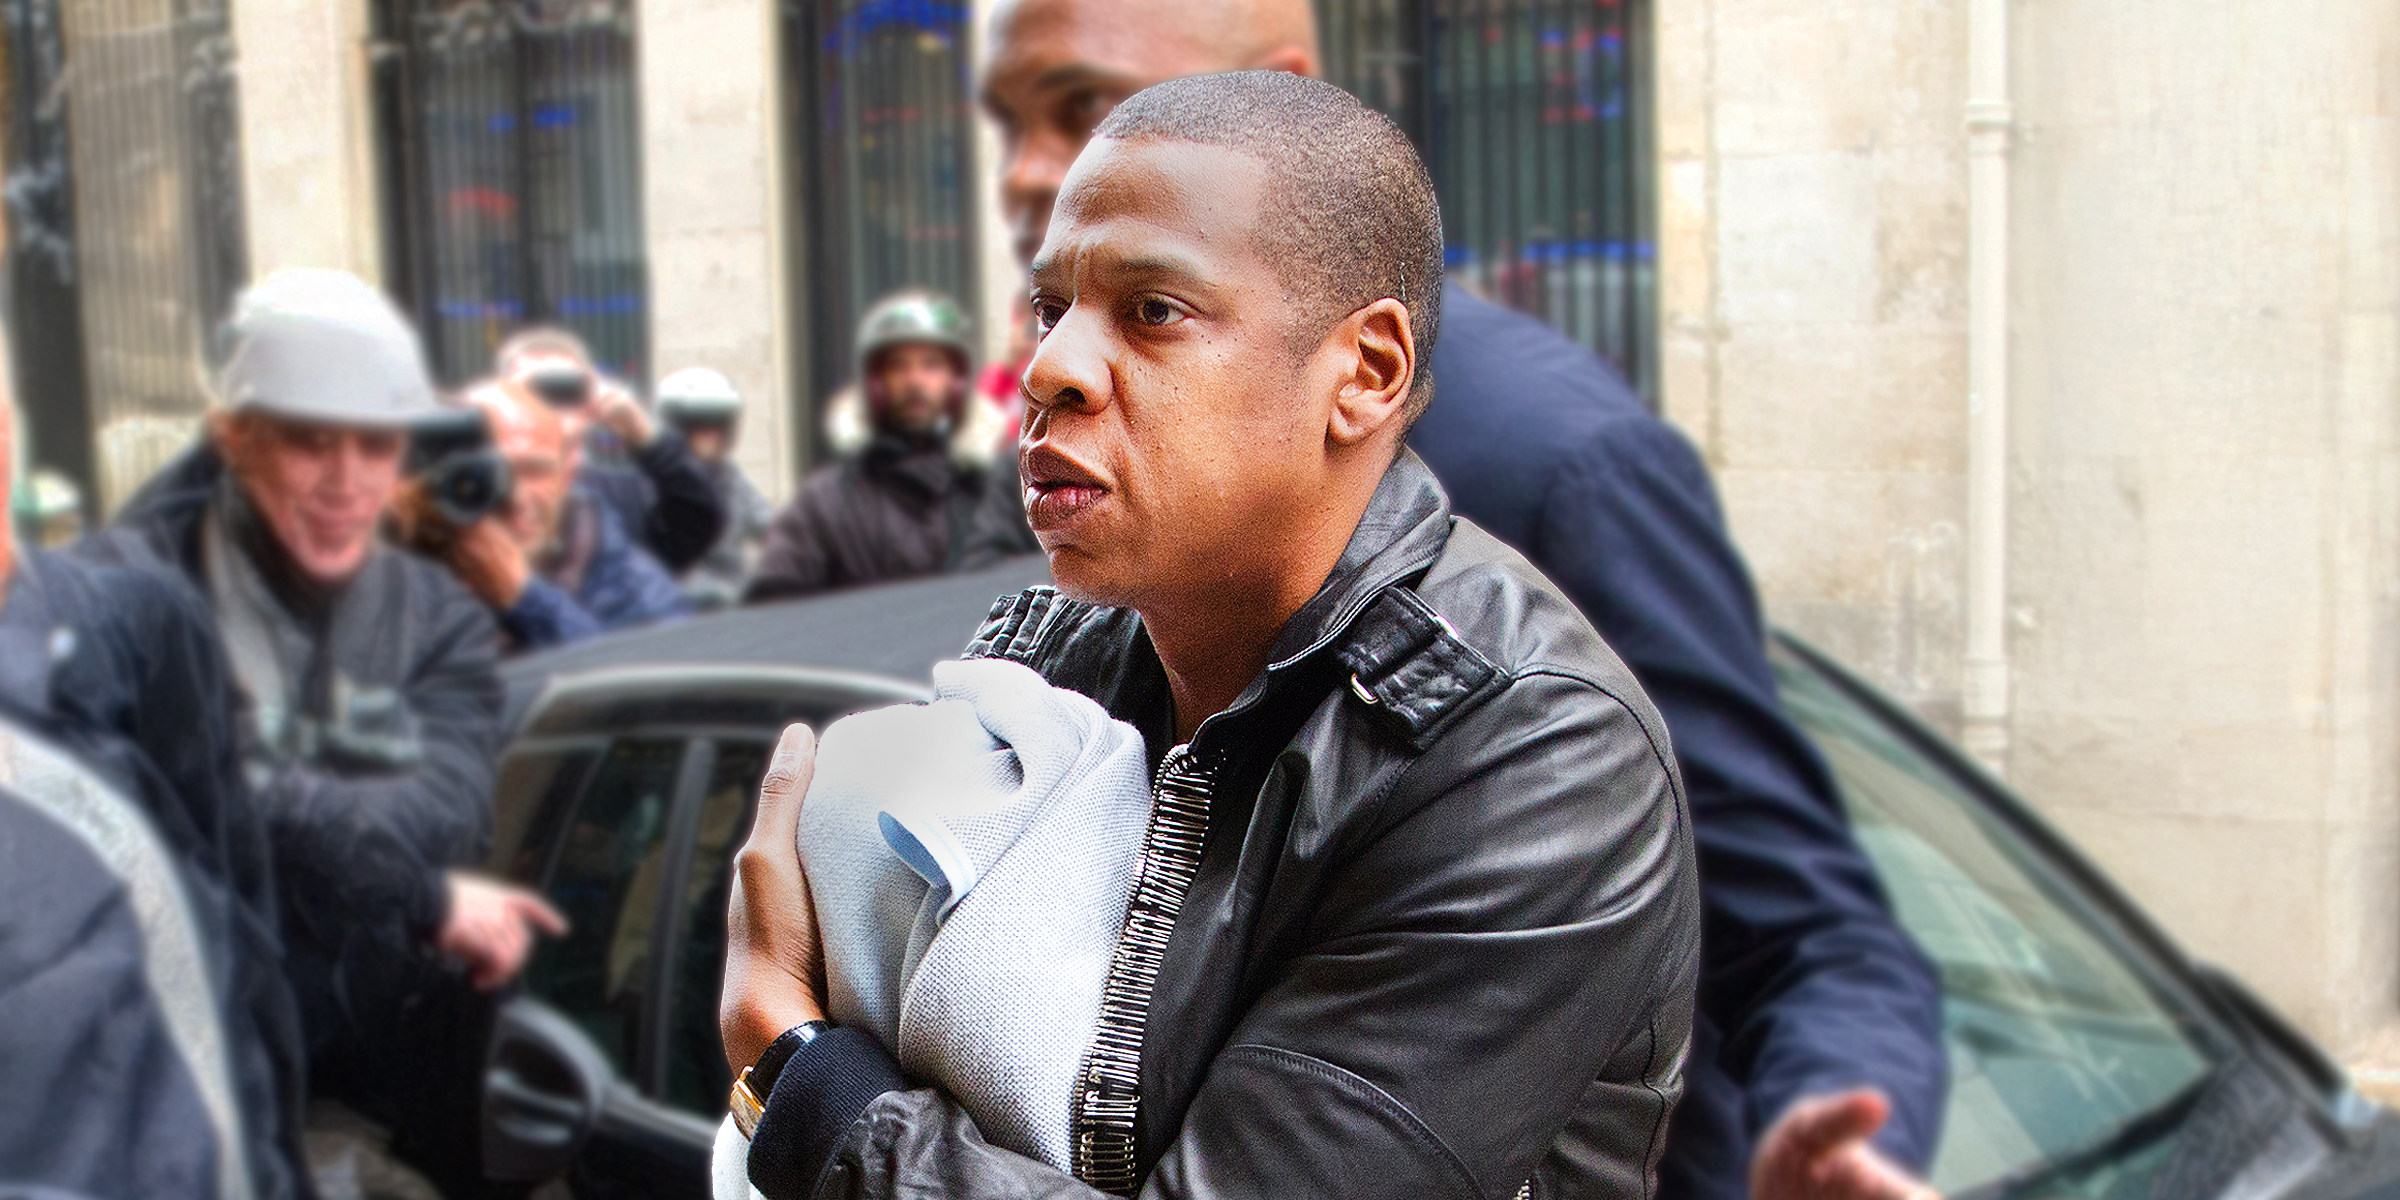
(1057, 490)
(334, 529)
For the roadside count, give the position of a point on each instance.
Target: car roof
(898, 630)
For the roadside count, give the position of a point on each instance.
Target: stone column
(308, 136)
(1812, 184)
(712, 153)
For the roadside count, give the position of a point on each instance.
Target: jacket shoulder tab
(1013, 629)
(1411, 671)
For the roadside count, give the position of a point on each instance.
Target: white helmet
(697, 395)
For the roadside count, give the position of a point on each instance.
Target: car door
(623, 799)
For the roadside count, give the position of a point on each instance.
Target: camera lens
(466, 488)
(561, 387)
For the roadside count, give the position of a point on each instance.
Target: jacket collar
(1406, 525)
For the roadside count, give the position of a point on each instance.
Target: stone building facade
(2201, 320)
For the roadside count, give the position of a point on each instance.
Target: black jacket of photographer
(399, 702)
(899, 508)
(662, 495)
(1444, 931)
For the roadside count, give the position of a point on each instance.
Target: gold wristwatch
(748, 1103)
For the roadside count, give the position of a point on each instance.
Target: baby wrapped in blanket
(970, 861)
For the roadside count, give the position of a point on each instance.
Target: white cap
(698, 392)
(325, 346)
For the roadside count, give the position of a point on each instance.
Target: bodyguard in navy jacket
(1808, 987)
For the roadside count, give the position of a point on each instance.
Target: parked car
(2090, 1057)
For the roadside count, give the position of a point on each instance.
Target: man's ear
(1380, 357)
(1298, 60)
(228, 434)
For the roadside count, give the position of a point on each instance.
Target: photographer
(370, 716)
(562, 567)
(702, 405)
(926, 485)
(660, 492)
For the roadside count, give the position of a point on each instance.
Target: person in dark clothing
(660, 492)
(120, 789)
(1813, 1001)
(703, 406)
(574, 573)
(926, 492)
(1415, 914)
(120, 670)
(1808, 988)
(369, 702)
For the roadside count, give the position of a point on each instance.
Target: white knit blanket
(970, 861)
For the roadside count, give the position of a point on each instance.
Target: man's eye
(1047, 314)
(1086, 109)
(1154, 311)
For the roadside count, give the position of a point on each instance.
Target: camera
(464, 476)
(560, 385)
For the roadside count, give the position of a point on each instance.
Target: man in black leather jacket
(1817, 1069)
(1416, 913)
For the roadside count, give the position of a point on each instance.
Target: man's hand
(489, 563)
(774, 967)
(623, 414)
(1818, 1151)
(490, 927)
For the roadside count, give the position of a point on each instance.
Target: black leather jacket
(1445, 930)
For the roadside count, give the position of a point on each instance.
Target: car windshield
(2058, 1047)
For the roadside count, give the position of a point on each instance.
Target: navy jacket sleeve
(625, 586)
(545, 616)
(1808, 980)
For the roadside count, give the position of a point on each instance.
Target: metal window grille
(1534, 118)
(883, 152)
(512, 142)
(125, 193)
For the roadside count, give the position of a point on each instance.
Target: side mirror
(543, 1090)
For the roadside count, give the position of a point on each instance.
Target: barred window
(512, 150)
(882, 129)
(1534, 117)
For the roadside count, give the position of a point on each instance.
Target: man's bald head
(1055, 68)
(1349, 215)
(519, 421)
(1205, 36)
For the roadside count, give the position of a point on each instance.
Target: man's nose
(1031, 175)
(344, 467)
(1069, 371)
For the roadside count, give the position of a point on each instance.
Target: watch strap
(780, 1051)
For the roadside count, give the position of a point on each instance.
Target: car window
(537, 786)
(605, 877)
(697, 1077)
(2056, 1042)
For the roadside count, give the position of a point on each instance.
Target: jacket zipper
(1109, 1092)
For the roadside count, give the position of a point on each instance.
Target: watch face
(746, 1107)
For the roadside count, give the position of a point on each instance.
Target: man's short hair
(1350, 213)
(542, 339)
